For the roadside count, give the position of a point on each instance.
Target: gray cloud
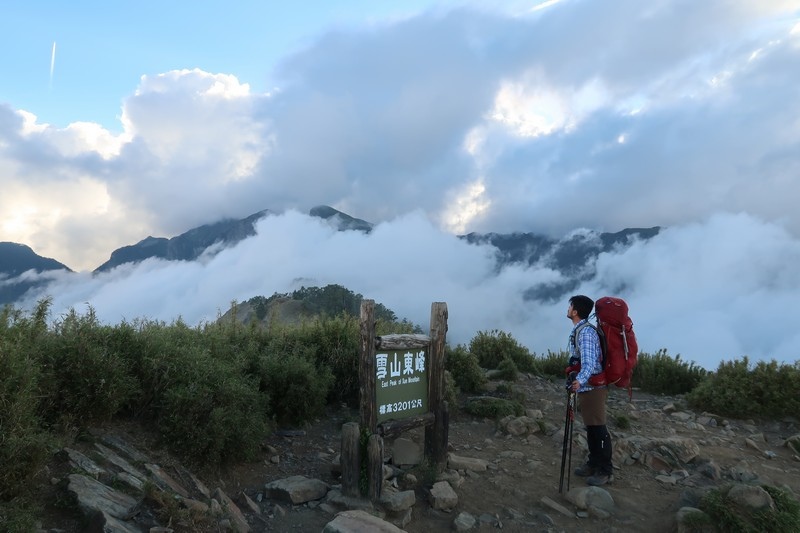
(587, 114)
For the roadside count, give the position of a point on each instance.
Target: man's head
(581, 306)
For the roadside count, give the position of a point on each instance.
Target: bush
(85, 379)
(298, 389)
(661, 374)
(19, 516)
(491, 348)
(23, 441)
(336, 346)
(552, 364)
(463, 365)
(727, 515)
(490, 407)
(768, 390)
(506, 370)
(213, 416)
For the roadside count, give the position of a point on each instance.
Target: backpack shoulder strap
(576, 334)
(600, 335)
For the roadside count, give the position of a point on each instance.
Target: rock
(742, 472)
(249, 503)
(406, 452)
(80, 461)
(750, 496)
(115, 459)
(296, 489)
(587, 497)
(466, 463)
(397, 501)
(165, 481)
(464, 522)
(793, 443)
(442, 496)
(232, 510)
(750, 443)
(359, 522)
(557, 507)
(94, 497)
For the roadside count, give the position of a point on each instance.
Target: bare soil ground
(510, 494)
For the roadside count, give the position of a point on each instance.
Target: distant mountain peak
(340, 221)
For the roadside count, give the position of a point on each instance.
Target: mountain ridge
(573, 255)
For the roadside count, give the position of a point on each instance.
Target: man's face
(570, 311)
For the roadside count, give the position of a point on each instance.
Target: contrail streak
(52, 64)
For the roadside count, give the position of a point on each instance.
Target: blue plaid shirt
(588, 351)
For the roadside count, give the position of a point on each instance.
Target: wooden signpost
(401, 388)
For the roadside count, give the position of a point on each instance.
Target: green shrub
(298, 389)
(623, 422)
(768, 390)
(213, 416)
(490, 407)
(450, 394)
(84, 379)
(18, 516)
(336, 346)
(467, 373)
(506, 370)
(491, 348)
(661, 374)
(552, 364)
(730, 516)
(24, 442)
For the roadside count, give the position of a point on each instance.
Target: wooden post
(366, 368)
(351, 459)
(375, 467)
(436, 435)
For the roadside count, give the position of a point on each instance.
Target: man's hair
(582, 304)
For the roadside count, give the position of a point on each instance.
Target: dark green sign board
(401, 384)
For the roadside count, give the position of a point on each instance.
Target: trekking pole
(572, 400)
(568, 423)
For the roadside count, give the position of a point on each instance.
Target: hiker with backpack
(587, 358)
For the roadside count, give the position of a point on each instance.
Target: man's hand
(575, 386)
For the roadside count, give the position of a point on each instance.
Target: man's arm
(589, 343)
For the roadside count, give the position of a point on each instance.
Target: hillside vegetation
(214, 392)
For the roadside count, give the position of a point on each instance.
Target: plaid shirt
(588, 351)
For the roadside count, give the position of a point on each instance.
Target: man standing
(589, 383)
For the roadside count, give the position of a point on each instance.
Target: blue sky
(103, 48)
(431, 120)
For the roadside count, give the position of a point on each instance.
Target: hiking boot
(585, 470)
(600, 479)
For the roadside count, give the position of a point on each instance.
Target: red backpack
(621, 350)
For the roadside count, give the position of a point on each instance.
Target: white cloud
(472, 120)
(709, 291)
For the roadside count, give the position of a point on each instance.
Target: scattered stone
(750, 496)
(464, 522)
(296, 489)
(557, 507)
(395, 501)
(232, 510)
(406, 452)
(359, 522)
(442, 496)
(80, 461)
(587, 497)
(95, 497)
(249, 503)
(466, 463)
(164, 480)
